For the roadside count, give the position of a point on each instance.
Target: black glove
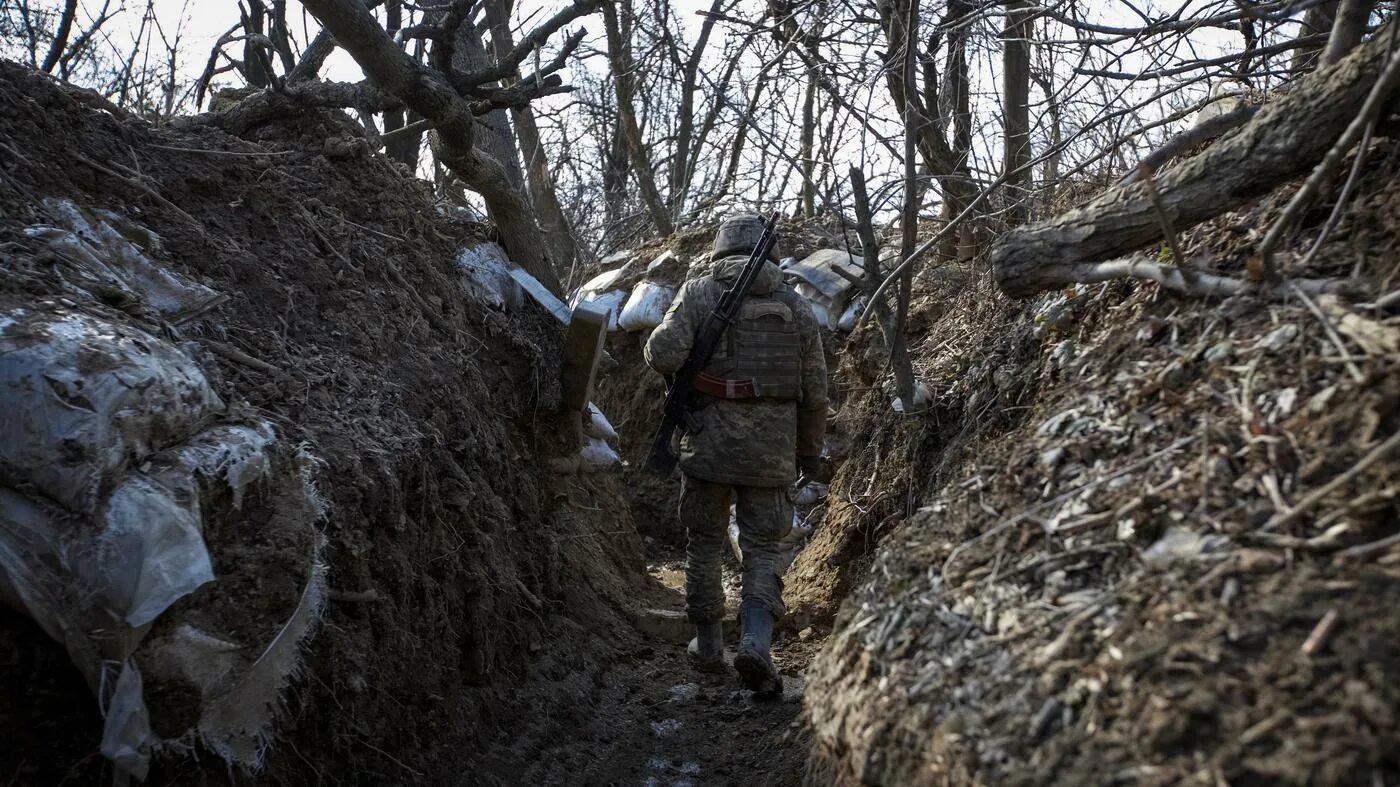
(809, 466)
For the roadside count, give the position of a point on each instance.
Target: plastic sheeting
(68, 423)
(646, 306)
(106, 451)
(105, 255)
(486, 273)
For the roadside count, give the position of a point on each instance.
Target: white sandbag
(596, 425)
(646, 306)
(818, 270)
(610, 302)
(852, 313)
(810, 494)
(923, 397)
(595, 286)
(486, 275)
(596, 455)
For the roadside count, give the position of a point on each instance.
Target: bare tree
(624, 77)
(443, 96)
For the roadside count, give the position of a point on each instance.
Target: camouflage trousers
(764, 515)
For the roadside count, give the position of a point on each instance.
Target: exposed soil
(481, 619)
(453, 557)
(1060, 572)
(1074, 584)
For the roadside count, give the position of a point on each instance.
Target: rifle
(676, 412)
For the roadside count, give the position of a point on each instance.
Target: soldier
(760, 417)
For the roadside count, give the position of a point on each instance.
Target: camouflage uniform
(746, 449)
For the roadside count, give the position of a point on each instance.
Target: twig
(416, 127)
(224, 152)
(353, 596)
(1378, 453)
(391, 758)
(1200, 283)
(1029, 512)
(137, 183)
(1328, 541)
(1370, 109)
(1330, 331)
(1317, 640)
(236, 355)
(1365, 551)
(1150, 183)
(1355, 503)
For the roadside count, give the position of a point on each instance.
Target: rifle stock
(662, 458)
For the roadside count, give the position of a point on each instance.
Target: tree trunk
(623, 83)
(948, 166)
(558, 237)
(494, 135)
(1347, 30)
(809, 133)
(1285, 139)
(391, 70)
(402, 149)
(615, 174)
(1016, 97)
(1316, 20)
(899, 345)
(60, 36)
(684, 158)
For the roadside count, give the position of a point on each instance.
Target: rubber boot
(754, 662)
(706, 650)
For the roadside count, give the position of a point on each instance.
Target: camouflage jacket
(752, 442)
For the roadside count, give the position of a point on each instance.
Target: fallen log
(1285, 139)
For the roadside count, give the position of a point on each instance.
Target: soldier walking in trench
(760, 417)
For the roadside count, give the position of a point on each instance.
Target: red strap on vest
(722, 388)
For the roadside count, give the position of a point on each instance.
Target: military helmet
(738, 234)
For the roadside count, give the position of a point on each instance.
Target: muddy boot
(706, 650)
(754, 663)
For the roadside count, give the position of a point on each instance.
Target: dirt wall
(1096, 581)
(454, 560)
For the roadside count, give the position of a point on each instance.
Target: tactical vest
(760, 355)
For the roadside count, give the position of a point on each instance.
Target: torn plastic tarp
(105, 454)
(102, 252)
(80, 399)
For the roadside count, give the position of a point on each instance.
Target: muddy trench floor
(653, 720)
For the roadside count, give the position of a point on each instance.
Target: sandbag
(646, 306)
(486, 275)
(596, 455)
(852, 313)
(596, 286)
(610, 302)
(111, 477)
(596, 425)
